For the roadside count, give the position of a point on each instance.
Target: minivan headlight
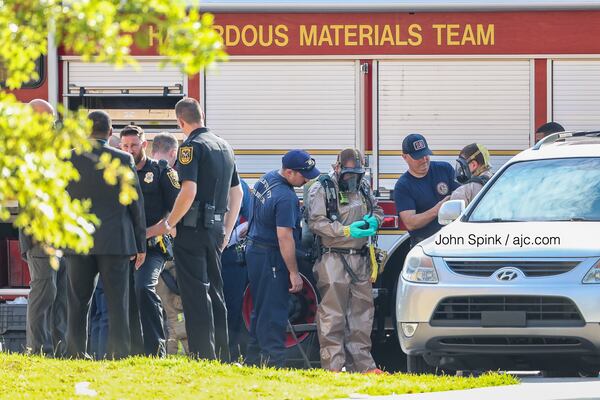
(418, 267)
(593, 275)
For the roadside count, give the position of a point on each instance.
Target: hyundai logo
(507, 274)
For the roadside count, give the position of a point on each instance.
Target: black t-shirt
(421, 194)
(208, 160)
(160, 186)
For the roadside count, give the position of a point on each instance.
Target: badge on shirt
(185, 155)
(174, 178)
(149, 177)
(442, 188)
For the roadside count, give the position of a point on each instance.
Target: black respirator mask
(349, 182)
(463, 173)
(350, 177)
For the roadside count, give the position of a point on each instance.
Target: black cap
(416, 146)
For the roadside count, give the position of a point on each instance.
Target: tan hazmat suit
(468, 191)
(174, 309)
(345, 314)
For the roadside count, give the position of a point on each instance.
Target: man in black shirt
(205, 212)
(160, 186)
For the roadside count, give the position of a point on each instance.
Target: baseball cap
(301, 161)
(416, 146)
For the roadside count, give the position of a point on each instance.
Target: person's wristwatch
(169, 227)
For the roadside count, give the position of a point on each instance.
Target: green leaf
(34, 156)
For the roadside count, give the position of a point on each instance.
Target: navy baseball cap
(416, 146)
(301, 161)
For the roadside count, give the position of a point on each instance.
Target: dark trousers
(98, 323)
(198, 266)
(149, 304)
(82, 271)
(235, 279)
(269, 285)
(46, 307)
(135, 323)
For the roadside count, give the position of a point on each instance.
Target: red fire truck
(327, 75)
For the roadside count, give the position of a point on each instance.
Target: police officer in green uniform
(205, 213)
(160, 186)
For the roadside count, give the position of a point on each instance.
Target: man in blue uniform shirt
(271, 255)
(420, 192)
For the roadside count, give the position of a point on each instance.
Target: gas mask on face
(351, 170)
(463, 173)
(350, 181)
(477, 153)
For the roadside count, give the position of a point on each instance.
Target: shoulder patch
(186, 155)
(174, 178)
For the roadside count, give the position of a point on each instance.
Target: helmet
(350, 177)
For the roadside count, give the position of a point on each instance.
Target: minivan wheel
(418, 365)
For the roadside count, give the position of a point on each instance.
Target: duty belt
(364, 251)
(219, 217)
(260, 244)
(162, 243)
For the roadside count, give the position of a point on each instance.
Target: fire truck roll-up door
(144, 94)
(265, 108)
(576, 94)
(452, 103)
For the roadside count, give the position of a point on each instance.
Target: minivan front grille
(534, 310)
(485, 268)
(511, 341)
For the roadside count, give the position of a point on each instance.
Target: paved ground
(531, 388)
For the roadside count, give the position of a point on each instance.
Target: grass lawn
(34, 377)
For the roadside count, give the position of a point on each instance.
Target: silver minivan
(512, 281)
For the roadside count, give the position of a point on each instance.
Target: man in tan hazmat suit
(343, 213)
(473, 171)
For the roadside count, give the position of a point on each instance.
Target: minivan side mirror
(450, 211)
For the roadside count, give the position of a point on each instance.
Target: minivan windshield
(543, 190)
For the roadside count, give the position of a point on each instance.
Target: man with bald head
(41, 106)
(47, 304)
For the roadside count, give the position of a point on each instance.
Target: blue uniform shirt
(246, 200)
(421, 194)
(274, 204)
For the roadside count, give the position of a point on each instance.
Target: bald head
(41, 106)
(114, 141)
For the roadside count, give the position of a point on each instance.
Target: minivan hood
(508, 239)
